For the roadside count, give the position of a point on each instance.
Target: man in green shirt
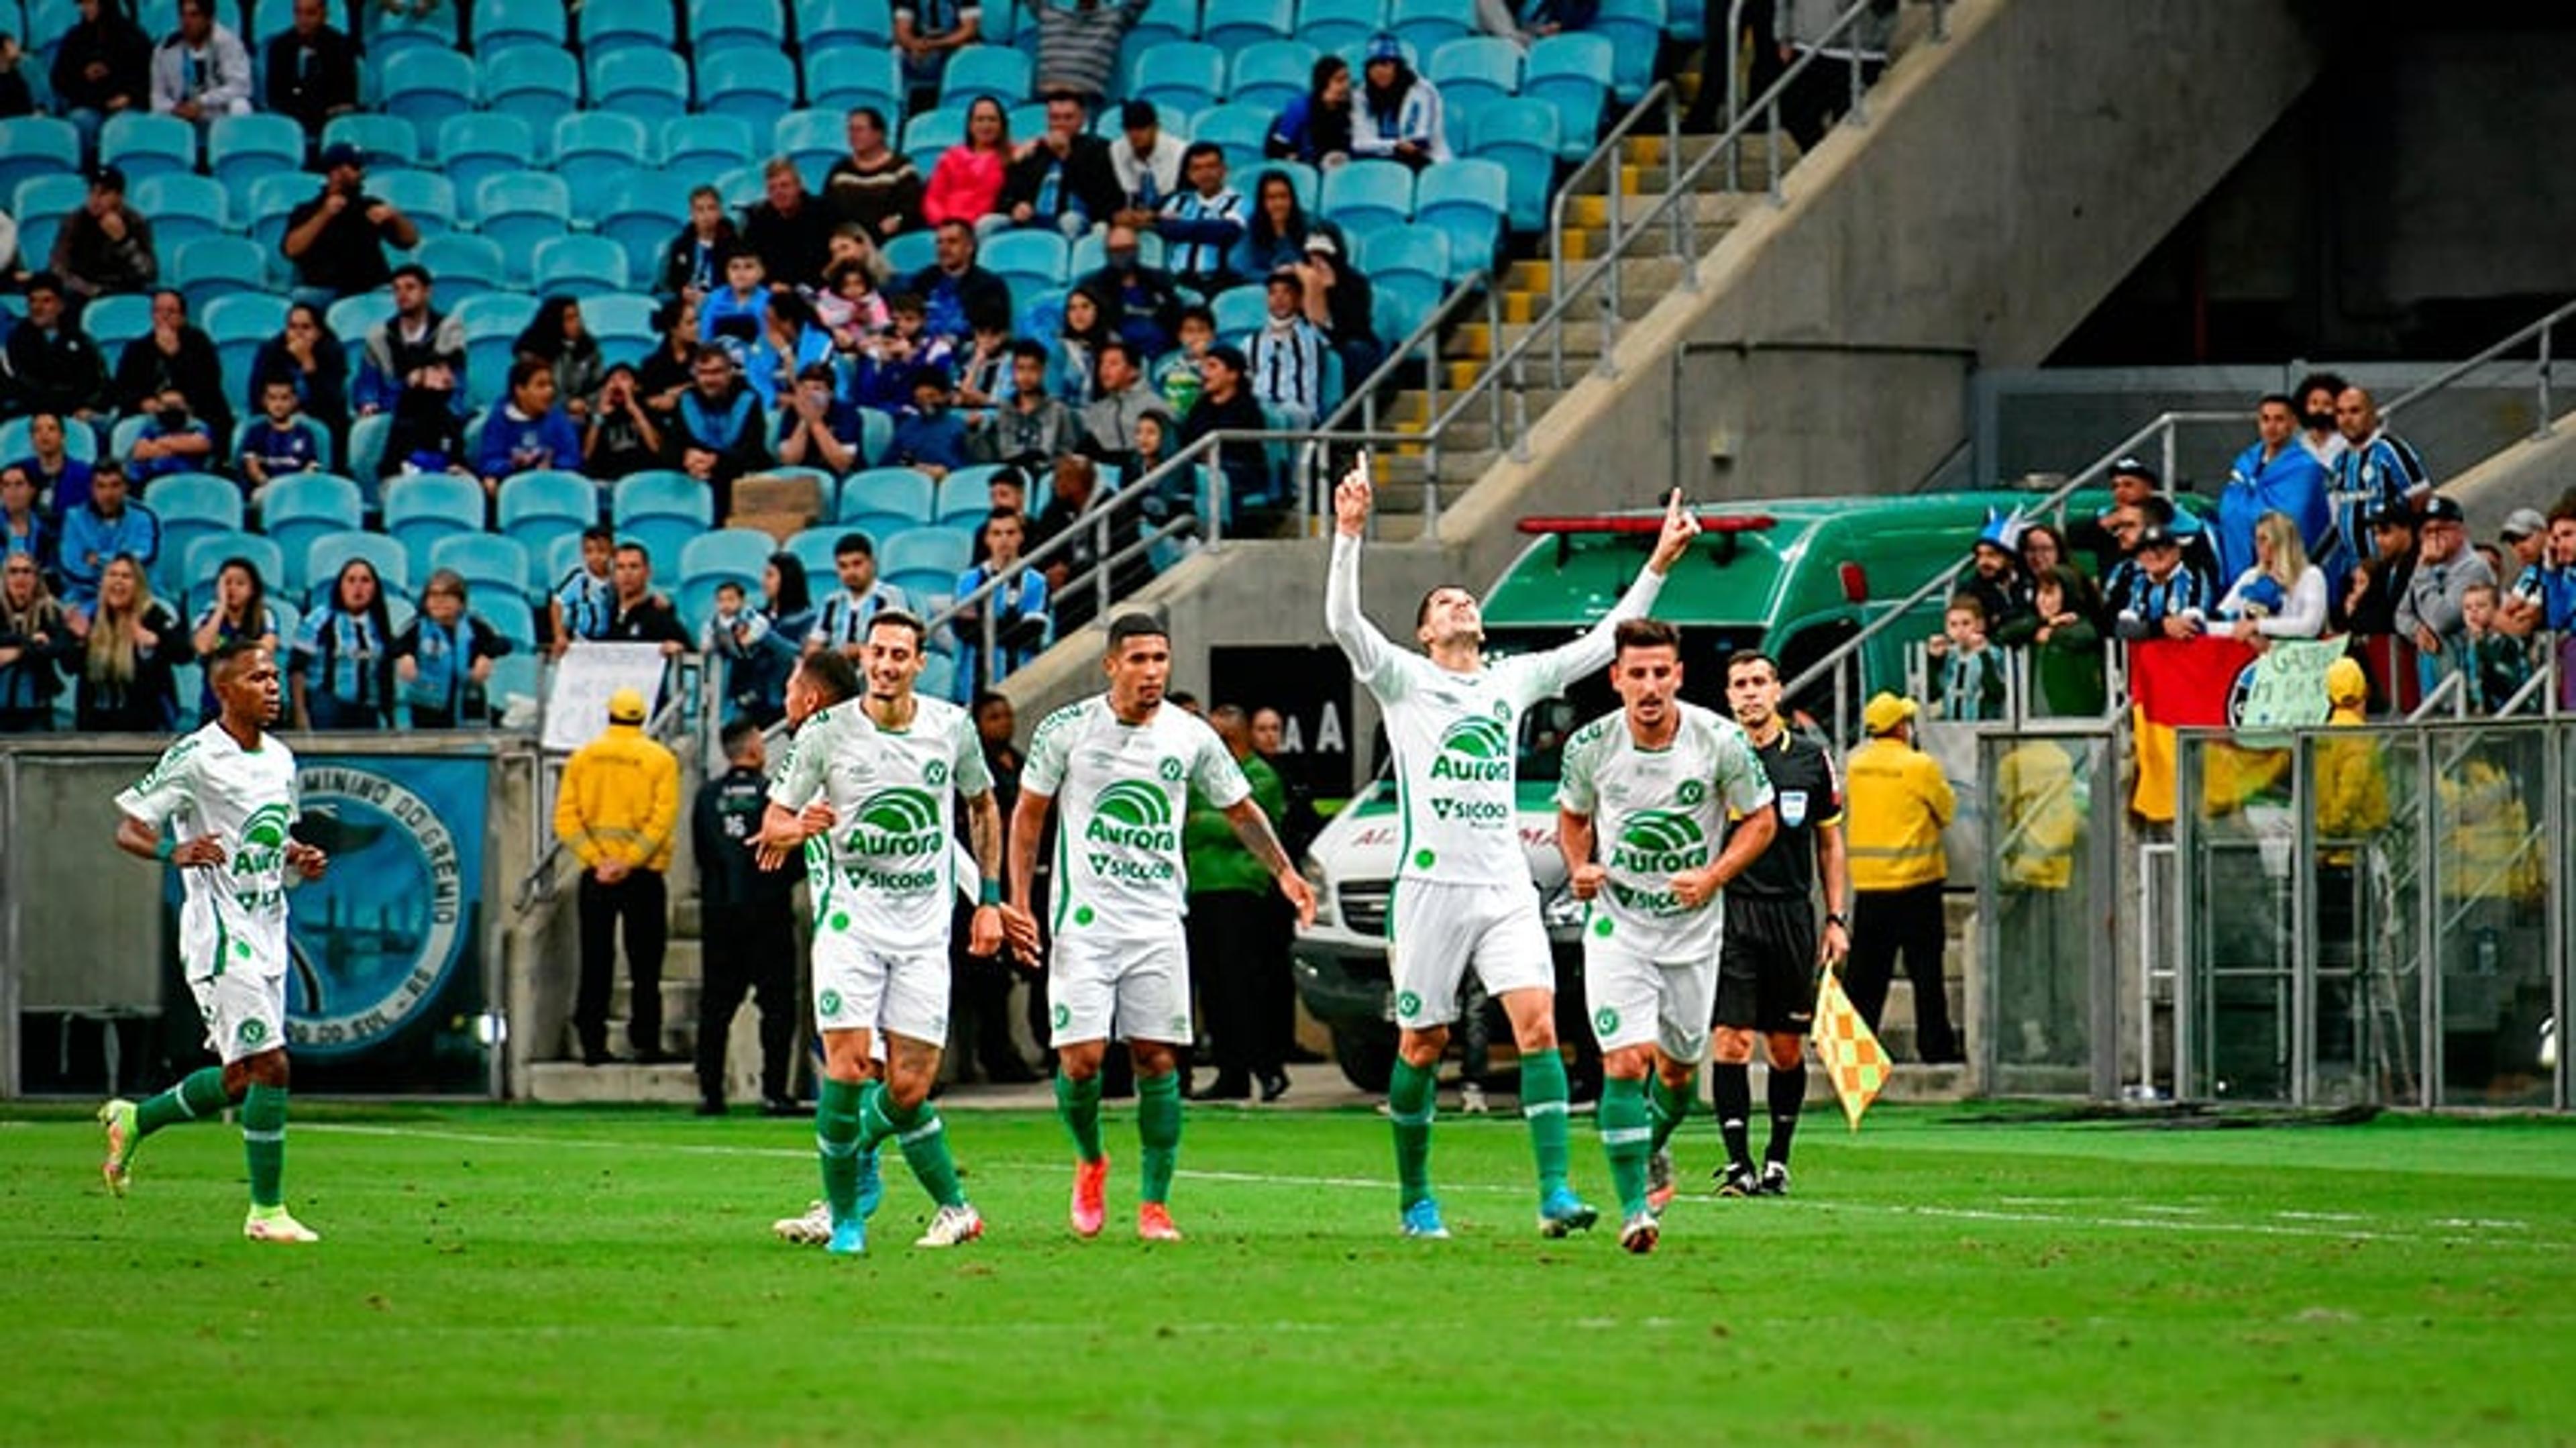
(1238, 951)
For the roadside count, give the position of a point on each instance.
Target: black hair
(413, 270)
(1025, 347)
(2283, 398)
(792, 596)
(735, 734)
(859, 543)
(1136, 625)
(1197, 149)
(1743, 657)
(2332, 382)
(904, 619)
(1422, 610)
(525, 370)
(599, 533)
(229, 655)
(832, 672)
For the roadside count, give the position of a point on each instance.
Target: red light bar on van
(1648, 523)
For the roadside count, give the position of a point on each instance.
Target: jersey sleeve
(802, 777)
(1577, 791)
(974, 778)
(1832, 812)
(1377, 664)
(1740, 782)
(1049, 750)
(157, 796)
(1544, 676)
(1214, 773)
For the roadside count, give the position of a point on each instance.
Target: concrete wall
(2533, 473)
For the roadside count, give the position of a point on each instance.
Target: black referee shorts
(1766, 975)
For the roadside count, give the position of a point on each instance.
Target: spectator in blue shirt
(720, 431)
(816, 429)
(36, 645)
(342, 673)
(526, 432)
(1021, 624)
(171, 441)
(280, 442)
(744, 294)
(585, 602)
(62, 481)
(1316, 127)
(23, 530)
(101, 530)
(791, 339)
(2275, 475)
(1201, 226)
(930, 435)
(443, 658)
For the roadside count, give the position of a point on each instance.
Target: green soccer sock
(1078, 1102)
(836, 1144)
(1158, 1131)
(1625, 1139)
(263, 1129)
(924, 1139)
(1668, 1106)
(1543, 1095)
(876, 1116)
(1409, 1108)
(200, 1095)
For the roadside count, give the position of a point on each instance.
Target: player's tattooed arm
(984, 833)
(1253, 828)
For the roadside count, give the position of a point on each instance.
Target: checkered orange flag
(1853, 1059)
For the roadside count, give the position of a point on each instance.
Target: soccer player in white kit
(867, 792)
(227, 794)
(1654, 784)
(1463, 896)
(1124, 766)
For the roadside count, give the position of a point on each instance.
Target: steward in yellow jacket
(620, 797)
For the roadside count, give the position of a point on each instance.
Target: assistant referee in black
(1766, 974)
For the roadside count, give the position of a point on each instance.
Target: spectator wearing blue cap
(337, 239)
(1397, 113)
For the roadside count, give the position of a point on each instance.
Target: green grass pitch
(1946, 1276)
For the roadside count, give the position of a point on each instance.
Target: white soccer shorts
(1128, 990)
(858, 988)
(1439, 930)
(244, 1011)
(1632, 1000)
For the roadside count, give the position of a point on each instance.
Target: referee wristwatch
(1836, 917)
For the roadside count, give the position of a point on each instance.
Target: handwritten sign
(577, 703)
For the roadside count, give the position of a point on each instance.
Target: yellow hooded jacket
(1895, 803)
(620, 800)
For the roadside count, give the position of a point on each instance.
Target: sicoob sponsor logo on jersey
(1473, 751)
(1132, 815)
(1657, 842)
(896, 825)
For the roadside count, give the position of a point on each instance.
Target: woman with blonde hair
(36, 641)
(2283, 596)
(130, 646)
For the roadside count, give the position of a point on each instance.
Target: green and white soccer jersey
(1650, 962)
(232, 922)
(882, 875)
(1121, 888)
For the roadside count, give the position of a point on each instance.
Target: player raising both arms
(1655, 783)
(1462, 895)
(866, 792)
(227, 793)
(1124, 766)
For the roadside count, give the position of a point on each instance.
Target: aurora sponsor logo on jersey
(1134, 815)
(896, 825)
(1475, 751)
(1656, 842)
(263, 841)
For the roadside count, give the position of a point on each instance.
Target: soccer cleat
(871, 1185)
(118, 1117)
(1660, 1186)
(1639, 1234)
(1735, 1179)
(950, 1226)
(272, 1224)
(1775, 1180)
(1563, 1214)
(849, 1239)
(810, 1230)
(1154, 1223)
(1422, 1222)
(1090, 1185)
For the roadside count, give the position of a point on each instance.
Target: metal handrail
(2452, 691)
(2441, 380)
(1602, 152)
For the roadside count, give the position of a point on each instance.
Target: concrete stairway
(567, 1081)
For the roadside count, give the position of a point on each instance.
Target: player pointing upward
(228, 792)
(1462, 894)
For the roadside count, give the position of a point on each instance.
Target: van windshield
(1705, 650)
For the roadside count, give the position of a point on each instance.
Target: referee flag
(1853, 1058)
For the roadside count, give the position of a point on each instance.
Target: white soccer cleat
(1640, 1233)
(810, 1230)
(272, 1224)
(951, 1226)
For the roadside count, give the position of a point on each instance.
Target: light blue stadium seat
(924, 561)
(1239, 129)
(1240, 310)
(697, 149)
(1476, 68)
(491, 322)
(963, 498)
(1091, 253)
(727, 555)
(47, 199)
(501, 26)
(491, 564)
(237, 324)
(215, 266)
(465, 266)
(1268, 75)
(1035, 257)
(928, 135)
(79, 442)
(303, 507)
(828, 24)
(938, 674)
(384, 140)
(1187, 76)
(423, 509)
(182, 207)
(145, 145)
(910, 251)
(813, 548)
(428, 198)
(36, 146)
(191, 506)
(1635, 30)
(350, 317)
(581, 266)
(241, 149)
(847, 75)
(367, 437)
(1426, 25)
(742, 188)
(484, 143)
(510, 617)
(535, 83)
(641, 214)
(903, 493)
(272, 199)
(1400, 304)
(663, 511)
(268, 17)
(112, 321)
(651, 85)
(427, 87)
(1230, 25)
(718, 26)
(1416, 250)
(813, 139)
(1366, 194)
(203, 558)
(599, 185)
(980, 70)
(620, 314)
(1303, 179)
(754, 86)
(592, 138)
(1162, 23)
(877, 526)
(1027, 121)
(608, 26)
(1523, 136)
(876, 435)
(1571, 72)
(391, 35)
(539, 510)
(328, 553)
(519, 209)
(1467, 200)
(519, 674)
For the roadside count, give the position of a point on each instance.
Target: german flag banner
(1854, 1061)
(2177, 684)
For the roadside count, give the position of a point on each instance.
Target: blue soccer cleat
(849, 1239)
(1564, 1213)
(1422, 1221)
(871, 1185)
